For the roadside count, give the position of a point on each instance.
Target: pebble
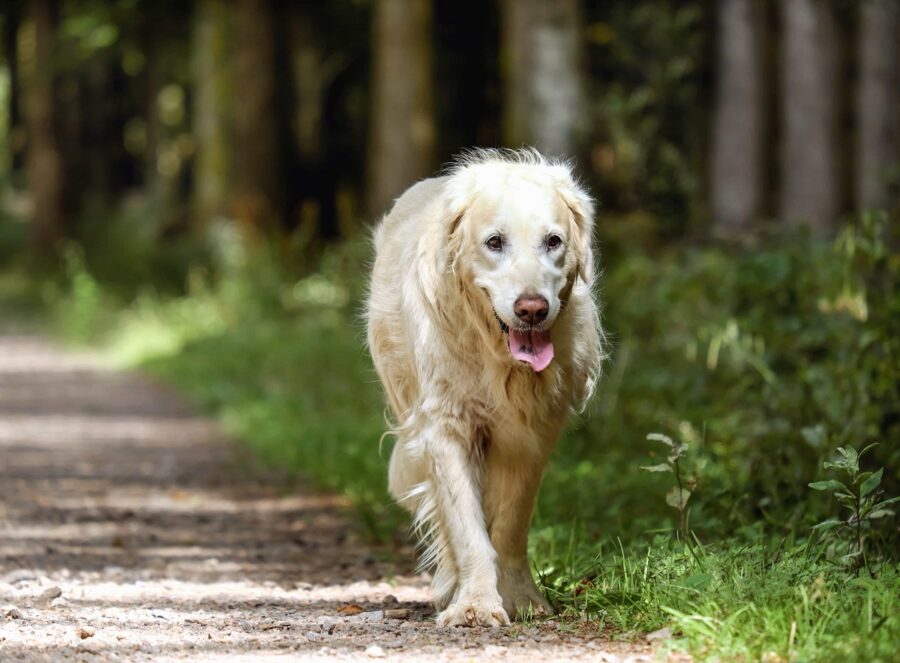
(396, 613)
(85, 633)
(374, 651)
(51, 593)
(13, 613)
(368, 617)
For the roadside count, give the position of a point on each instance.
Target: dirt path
(126, 534)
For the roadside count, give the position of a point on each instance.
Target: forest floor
(133, 529)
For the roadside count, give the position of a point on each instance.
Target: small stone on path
(374, 651)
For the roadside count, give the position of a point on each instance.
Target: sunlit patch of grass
(725, 602)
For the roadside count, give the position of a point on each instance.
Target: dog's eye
(494, 243)
(554, 242)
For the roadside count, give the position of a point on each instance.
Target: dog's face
(525, 242)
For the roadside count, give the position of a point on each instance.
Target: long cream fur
(473, 426)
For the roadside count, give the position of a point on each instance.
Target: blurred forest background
(191, 184)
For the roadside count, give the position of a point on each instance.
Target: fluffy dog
(484, 333)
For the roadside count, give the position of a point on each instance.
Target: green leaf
(884, 503)
(871, 483)
(826, 525)
(659, 437)
(662, 467)
(867, 448)
(830, 484)
(879, 513)
(677, 499)
(848, 461)
(678, 451)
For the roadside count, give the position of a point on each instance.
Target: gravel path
(131, 529)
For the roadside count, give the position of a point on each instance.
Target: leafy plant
(860, 496)
(678, 496)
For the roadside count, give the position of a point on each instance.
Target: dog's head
(520, 232)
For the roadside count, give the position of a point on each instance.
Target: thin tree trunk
(43, 159)
(259, 190)
(98, 173)
(878, 101)
(738, 116)
(154, 81)
(312, 72)
(15, 135)
(544, 93)
(403, 126)
(810, 191)
(212, 95)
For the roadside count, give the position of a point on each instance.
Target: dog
(485, 335)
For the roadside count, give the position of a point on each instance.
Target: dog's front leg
(511, 486)
(455, 477)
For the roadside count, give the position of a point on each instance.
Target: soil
(133, 529)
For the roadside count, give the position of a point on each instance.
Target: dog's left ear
(581, 209)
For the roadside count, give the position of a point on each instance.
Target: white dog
(485, 336)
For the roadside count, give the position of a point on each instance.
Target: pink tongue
(532, 347)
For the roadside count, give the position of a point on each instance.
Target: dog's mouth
(531, 345)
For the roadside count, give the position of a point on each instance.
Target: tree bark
(810, 187)
(544, 93)
(738, 116)
(403, 127)
(212, 104)
(259, 189)
(878, 101)
(43, 159)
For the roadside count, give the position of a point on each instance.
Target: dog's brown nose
(532, 309)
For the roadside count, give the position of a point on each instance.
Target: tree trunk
(212, 97)
(43, 160)
(544, 93)
(810, 188)
(403, 126)
(259, 190)
(154, 80)
(15, 133)
(738, 116)
(312, 71)
(878, 101)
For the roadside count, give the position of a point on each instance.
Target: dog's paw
(521, 597)
(474, 612)
(526, 603)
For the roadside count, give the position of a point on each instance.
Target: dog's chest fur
(519, 412)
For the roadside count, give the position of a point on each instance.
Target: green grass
(725, 601)
(761, 362)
